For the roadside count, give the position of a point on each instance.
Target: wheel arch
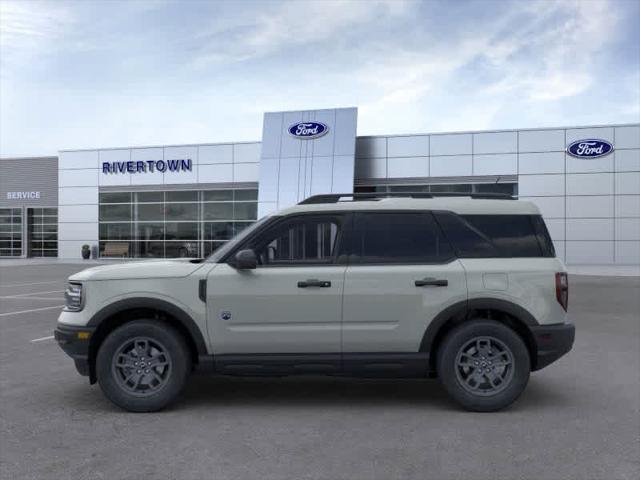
(508, 313)
(126, 310)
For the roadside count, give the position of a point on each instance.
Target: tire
(163, 364)
(489, 344)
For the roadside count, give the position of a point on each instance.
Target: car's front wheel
(143, 365)
(484, 365)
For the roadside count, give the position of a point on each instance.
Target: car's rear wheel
(143, 365)
(484, 365)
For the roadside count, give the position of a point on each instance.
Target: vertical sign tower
(306, 153)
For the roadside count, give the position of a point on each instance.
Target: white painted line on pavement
(28, 311)
(32, 293)
(27, 284)
(50, 337)
(56, 299)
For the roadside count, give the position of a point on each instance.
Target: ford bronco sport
(465, 288)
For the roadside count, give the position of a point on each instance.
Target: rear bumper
(552, 342)
(75, 343)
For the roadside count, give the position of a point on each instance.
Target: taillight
(562, 289)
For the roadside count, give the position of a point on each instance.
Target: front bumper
(552, 342)
(75, 343)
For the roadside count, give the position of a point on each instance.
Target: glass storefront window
(218, 230)
(115, 231)
(142, 197)
(181, 231)
(217, 211)
(117, 197)
(181, 249)
(148, 249)
(149, 212)
(217, 196)
(245, 211)
(181, 211)
(149, 231)
(115, 213)
(243, 195)
(173, 223)
(181, 196)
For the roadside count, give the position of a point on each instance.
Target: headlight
(73, 297)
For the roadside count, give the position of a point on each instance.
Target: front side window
(400, 238)
(305, 240)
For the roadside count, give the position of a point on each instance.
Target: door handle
(314, 283)
(432, 282)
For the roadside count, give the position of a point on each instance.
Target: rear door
(402, 273)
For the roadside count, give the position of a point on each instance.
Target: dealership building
(186, 200)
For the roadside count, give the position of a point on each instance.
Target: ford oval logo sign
(590, 148)
(308, 130)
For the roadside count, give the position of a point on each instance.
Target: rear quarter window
(485, 236)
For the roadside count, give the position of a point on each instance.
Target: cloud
(288, 26)
(558, 48)
(532, 53)
(119, 73)
(28, 27)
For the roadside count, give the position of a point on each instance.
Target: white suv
(467, 289)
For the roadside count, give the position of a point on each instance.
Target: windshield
(231, 244)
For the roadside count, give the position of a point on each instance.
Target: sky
(87, 74)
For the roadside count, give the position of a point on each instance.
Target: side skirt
(347, 364)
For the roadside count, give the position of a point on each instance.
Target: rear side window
(467, 240)
(400, 238)
(544, 239)
(484, 236)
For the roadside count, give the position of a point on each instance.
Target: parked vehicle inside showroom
(466, 288)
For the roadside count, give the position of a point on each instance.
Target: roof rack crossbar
(335, 197)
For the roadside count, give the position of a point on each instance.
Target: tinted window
(544, 239)
(465, 238)
(481, 236)
(302, 240)
(400, 238)
(512, 235)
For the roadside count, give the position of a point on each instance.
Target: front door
(292, 302)
(403, 274)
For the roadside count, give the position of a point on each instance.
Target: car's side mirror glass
(245, 260)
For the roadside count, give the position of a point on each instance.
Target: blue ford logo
(308, 130)
(590, 148)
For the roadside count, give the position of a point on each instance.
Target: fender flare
(156, 304)
(460, 310)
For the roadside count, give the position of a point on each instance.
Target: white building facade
(186, 200)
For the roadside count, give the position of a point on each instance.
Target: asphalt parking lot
(578, 419)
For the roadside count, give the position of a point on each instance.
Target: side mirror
(246, 260)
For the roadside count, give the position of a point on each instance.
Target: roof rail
(335, 197)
